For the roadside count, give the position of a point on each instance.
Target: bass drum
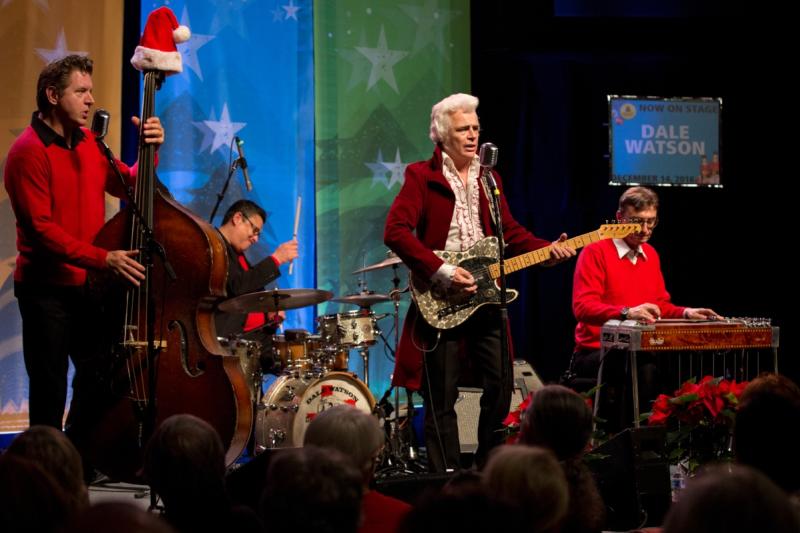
(292, 402)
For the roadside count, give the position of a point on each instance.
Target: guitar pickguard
(446, 308)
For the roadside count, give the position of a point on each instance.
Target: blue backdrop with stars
(248, 71)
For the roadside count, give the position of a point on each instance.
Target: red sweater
(381, 514)
(604, 284)
(57, 197)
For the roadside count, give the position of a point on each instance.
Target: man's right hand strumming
(463, 281)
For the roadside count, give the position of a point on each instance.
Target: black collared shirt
(49, 136)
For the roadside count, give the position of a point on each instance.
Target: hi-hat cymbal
(363, 299)
(389, 261)
(274, 300)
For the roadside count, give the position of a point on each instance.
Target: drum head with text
(334, 388)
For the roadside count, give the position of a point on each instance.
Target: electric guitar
(447, 308)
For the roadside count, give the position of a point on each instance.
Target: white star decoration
(189, 49)
(431, 25)
(208, 134)
(382, 60)
(230, 13)
(397, 168)
(59, 52)
(379, 171)
(223, 129)
(380, 168)
(360, 66)
(291, 10)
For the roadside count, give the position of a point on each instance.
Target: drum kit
(313, 368)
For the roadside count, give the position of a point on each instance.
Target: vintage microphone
(488, 159)
(242, 163)
(100, 122)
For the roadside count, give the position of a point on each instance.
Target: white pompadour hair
(441, 111)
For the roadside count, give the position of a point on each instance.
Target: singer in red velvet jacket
(443, 205)
(425, 204)
(56, 177)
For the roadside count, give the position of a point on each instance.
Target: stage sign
(665, 141)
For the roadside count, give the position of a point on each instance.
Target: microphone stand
(395, 296)
(221, 194)
(151, 247)
(494, 203)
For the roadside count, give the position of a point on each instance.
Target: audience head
(118, 517)
(354, 433)
(459, 506)
(558, 419)
(731, 499)
(768, 408)
(184, 462)
(311, 489)
(30, 499)
(530, 480)
(55, 453)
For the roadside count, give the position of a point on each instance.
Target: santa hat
(157, 50)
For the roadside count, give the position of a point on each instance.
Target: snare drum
(352, 329)
(295, 349)
(292, 403)
(249, 354)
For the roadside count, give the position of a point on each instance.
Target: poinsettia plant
(699, 418)
(513, 420)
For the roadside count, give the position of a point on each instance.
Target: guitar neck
(542, 254)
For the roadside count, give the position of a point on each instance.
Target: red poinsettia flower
(514, 418)
(706, 403)
(662, 409)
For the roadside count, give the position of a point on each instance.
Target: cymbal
(274, 300)
(389, 261)
(364, 299)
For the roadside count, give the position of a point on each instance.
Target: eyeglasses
(256, 229)
(649, 222)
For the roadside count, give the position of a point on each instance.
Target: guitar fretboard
(542, 254)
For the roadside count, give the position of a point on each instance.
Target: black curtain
(543, 81)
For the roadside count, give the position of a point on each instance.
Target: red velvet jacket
(425, 205)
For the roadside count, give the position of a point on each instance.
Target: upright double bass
(157, 343)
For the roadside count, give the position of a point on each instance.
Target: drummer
(241, 227)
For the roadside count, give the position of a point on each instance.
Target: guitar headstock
(618, 231)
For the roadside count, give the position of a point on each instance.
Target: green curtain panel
(379, 67)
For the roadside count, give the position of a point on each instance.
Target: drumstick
(296, 224)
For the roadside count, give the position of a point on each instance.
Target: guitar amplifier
(468, 404)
